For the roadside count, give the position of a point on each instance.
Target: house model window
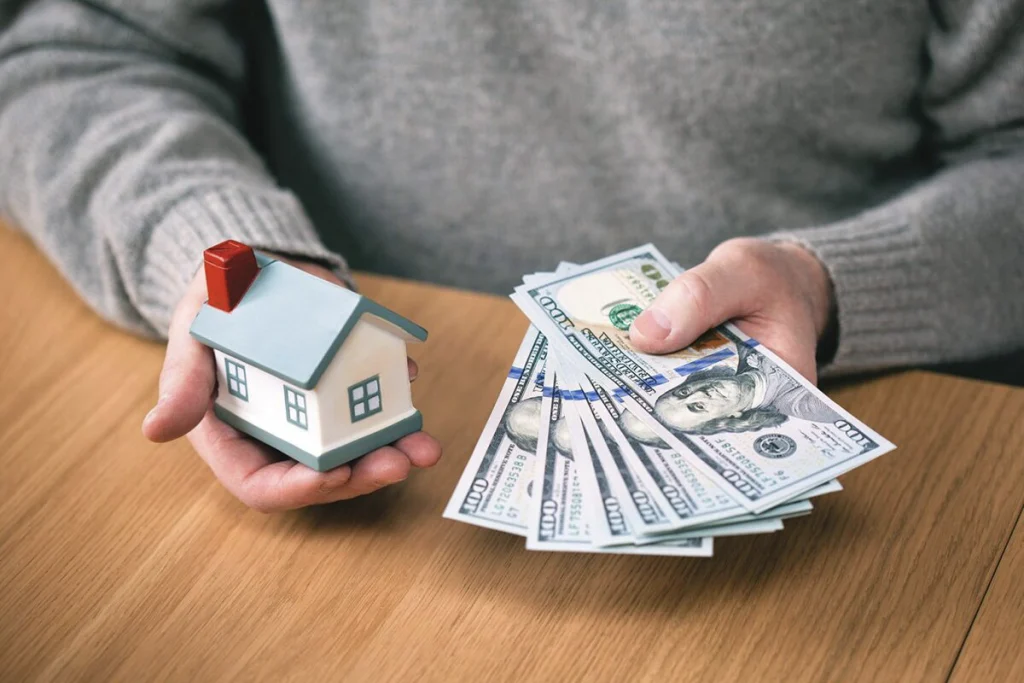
(295, 405)
(237, 386)
(364, 398)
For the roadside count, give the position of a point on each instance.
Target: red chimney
(230, 269)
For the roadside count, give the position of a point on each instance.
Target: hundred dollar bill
(611, 523)
(625, 501)
(747, 525)
(796, 506)
(767, 521)
(695, 499)
(760, 526)
(623, 491)
(763, 429)
(495, 486)
(558, 519)
(607, 522)
(692, 498)
(557, 515)
(732, 408)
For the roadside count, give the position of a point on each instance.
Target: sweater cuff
(886, 283)
(269, 221)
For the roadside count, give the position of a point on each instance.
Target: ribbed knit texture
(468, 142)
(886, 309)
(271, 222)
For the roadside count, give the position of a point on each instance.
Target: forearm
(124, 165)
(933, 275)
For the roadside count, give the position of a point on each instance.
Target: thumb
(187, 380)
(699, 299)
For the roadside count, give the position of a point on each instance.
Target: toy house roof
(291, 323)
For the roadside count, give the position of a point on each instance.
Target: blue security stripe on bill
(691, 367)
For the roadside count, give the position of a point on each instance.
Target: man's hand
(777, 292)
(258, 475)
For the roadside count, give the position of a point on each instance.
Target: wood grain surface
(993, 651)
(124, 560)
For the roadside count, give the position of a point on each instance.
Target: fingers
(690, 305)
(414, 369)
(420, 448)
(288, 485)
(255, 473)
(187, 379)
(258, 476)
(779, 294)
(382, 467)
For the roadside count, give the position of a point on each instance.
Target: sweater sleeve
(937, 273)
(122, 151)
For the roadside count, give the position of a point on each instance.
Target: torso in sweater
(468, 142)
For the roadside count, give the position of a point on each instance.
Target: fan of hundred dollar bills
(595, 447)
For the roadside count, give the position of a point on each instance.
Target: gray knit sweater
(467, 142)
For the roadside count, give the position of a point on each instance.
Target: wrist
(816, 284)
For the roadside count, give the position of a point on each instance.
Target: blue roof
(291, 323)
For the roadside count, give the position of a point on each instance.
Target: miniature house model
(304, 365)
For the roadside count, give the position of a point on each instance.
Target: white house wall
(266, 407)
(367, 351)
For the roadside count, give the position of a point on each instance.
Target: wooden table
(124, 560)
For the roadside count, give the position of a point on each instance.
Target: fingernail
(653, 324)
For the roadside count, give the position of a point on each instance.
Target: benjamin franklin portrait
(522, 424)
(757, 395)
